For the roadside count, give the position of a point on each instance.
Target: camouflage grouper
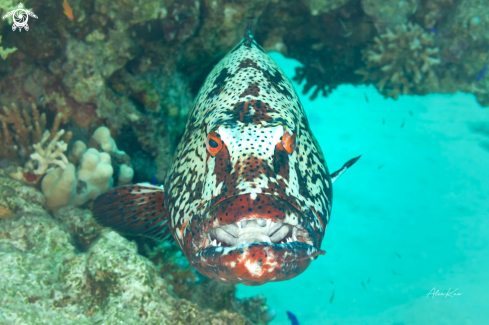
(248, 196)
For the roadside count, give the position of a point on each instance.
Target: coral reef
(323, 6)
(4, 52)
(53, 154)
(25, 132)
(186, 283)
(16, 198)
(133, 67)
(71, 271)
(84, 230)
(92, 175)
(400, 60)
(130, 12)
(85, 79)
(464, 42)
(433, 11)
(388, 14)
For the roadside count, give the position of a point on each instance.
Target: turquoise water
(412, 215)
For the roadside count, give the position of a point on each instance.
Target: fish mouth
(254, 241)
(256, 230)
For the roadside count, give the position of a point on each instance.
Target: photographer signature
(450, 293)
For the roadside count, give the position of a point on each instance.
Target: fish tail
(133, 210)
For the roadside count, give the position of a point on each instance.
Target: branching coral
(52, 154)
(24, 133)
(325, 77)
(21, 131)
(400, 60)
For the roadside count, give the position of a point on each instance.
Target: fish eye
(289, 142)
(213, 143)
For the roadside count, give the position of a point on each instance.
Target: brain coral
(400, 60)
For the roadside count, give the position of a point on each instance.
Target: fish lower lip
(291, 252)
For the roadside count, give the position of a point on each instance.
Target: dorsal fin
(248, 36)
(348, 164)
(133, 210)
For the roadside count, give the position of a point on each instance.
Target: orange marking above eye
(213, 143)
(288, 142)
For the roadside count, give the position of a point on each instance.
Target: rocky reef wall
(66, 269)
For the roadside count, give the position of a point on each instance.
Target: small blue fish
(293, 318)
(431, 29)
(482, 73)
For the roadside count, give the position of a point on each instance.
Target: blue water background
(411, 215)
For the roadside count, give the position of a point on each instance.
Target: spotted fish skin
(256, 210)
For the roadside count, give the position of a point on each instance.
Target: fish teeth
(239, 225)
(261, 222)
(219, 244)
(294, 238)
(214, 242)
(269, 222)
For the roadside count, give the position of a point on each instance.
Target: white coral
(92, 175)
(53, 154)
(95, 174)
(59, 187)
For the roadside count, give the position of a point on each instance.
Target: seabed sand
(411, 215)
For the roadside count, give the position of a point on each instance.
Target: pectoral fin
(134, 210)
(348, 164)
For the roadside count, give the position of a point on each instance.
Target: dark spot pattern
(249, 103)
(252, 90)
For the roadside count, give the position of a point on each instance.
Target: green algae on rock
(4, 52)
